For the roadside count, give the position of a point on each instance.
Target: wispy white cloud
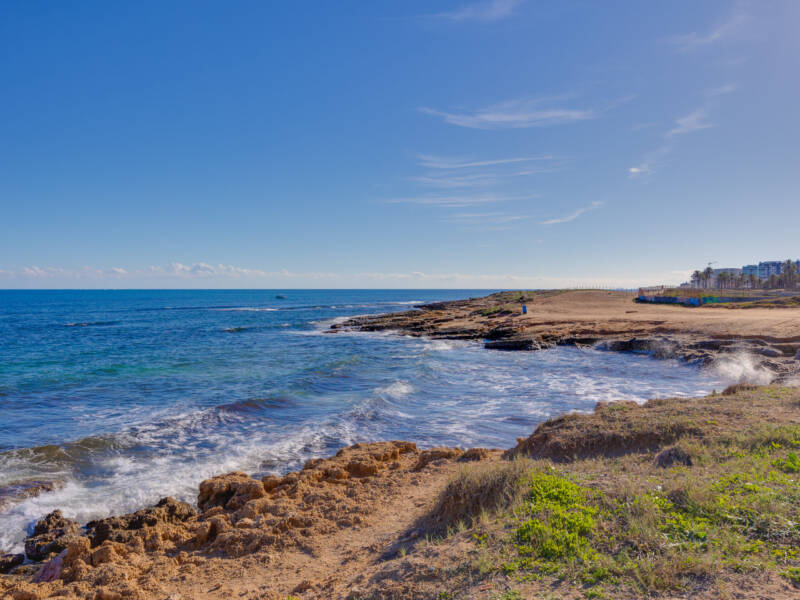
(193, 277)
(485, 219)
(173, 270)
(457, 181)
(443, 162)
(511, 280)
(514, 114)
(491, 10)
(574, 215)
(697, 120)
(727, 29)
(694, 121)
(460, 201)
(447, 172)
(721, 90)
(476, 179)
(201, 269)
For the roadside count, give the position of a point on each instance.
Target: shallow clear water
(129, 396)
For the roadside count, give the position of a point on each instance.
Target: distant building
(770, 267)
(766, 268)
(763, 270)
(749, 270)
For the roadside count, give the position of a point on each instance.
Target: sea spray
(741, 367)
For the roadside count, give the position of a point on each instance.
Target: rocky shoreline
(341, 526)
(135, 556)
(387, 520)
(497, 321)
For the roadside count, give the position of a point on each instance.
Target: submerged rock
(52, 534)
(17, 491)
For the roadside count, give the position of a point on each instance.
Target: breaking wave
(741, 367)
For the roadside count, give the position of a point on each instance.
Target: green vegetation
(624, 525)
(509, 595)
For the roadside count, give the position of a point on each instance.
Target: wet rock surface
(50, 535)
(121, 529)
(9, 561)
(500, 325)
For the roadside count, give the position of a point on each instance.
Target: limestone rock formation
(50, 535)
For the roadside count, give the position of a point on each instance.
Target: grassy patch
(632, 525)
(558, 524)
(479, 490)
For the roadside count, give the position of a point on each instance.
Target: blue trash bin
(524, 310)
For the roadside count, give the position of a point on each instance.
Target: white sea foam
(125, 483)
(396, 390)
(441, 345)
(741, 367)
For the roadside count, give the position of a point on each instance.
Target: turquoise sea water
(128, 396)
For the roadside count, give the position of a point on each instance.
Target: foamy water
(181, 387)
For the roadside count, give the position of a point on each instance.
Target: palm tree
(772, 281)
(708, 273)
(754, 281)
(788, 272)
(696, 277)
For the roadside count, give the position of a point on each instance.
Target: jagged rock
(51, 534)
(231, 491)
(362, 468)
(120, 529)
(500, 332)
(428, 456)
(9, 561)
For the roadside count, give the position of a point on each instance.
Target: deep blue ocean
(129, 396)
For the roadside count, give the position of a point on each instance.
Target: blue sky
(486, 144)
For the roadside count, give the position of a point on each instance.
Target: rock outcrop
(134, 556)
(9, 561)
(50, 535)
(593, 319)
(122, 529)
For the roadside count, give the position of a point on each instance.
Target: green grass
(737, 509)
(607, 521)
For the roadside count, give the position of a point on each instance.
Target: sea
(127, 396)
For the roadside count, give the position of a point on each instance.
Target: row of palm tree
(788, 279)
